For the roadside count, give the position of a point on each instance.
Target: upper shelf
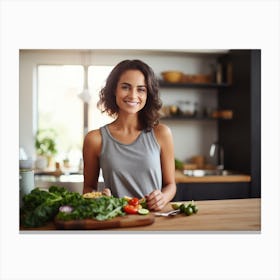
(164, 84)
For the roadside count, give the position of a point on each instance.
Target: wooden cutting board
(118, 222)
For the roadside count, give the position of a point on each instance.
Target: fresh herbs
(41, 206)
(101, 208)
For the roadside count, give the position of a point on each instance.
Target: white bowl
(25, 163)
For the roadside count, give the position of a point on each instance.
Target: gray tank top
(134, 169)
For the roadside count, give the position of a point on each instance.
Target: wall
(190, 137)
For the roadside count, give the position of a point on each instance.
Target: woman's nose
(133, 92)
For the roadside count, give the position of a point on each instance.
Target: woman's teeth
(132, 103)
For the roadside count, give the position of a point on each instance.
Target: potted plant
(45, 144)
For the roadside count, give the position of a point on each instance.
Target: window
(60, 108)
(97, 76)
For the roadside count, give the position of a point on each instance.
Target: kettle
(217, 153)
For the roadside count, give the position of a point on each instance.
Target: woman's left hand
(156, 200)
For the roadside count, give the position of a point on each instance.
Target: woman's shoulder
(162, 129)
(93, 137)
(162, 132)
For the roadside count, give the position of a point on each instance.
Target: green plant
(45, 142)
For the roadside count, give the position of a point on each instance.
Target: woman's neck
(128, 123)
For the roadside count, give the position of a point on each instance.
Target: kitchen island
(213, 215)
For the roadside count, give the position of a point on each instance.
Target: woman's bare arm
(91, 152)
(158, 199)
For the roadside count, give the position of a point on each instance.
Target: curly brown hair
(149, 115)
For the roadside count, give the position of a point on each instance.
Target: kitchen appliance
(217, 154)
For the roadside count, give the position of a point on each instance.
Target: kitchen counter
(74, 182)
(181, 178)
(213, 215)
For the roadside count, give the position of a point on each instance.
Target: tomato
(133, 201)
(130, 209)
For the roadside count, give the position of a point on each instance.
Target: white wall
(190, 137)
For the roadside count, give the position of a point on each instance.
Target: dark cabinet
(241, 137)
(209, 191)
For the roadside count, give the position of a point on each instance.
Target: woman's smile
(131, 93)
(132, 103)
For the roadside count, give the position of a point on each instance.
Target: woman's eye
(125, 87)
(142, 90)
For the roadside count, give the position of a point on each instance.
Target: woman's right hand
(106, 192)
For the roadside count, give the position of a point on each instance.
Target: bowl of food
(172, 76)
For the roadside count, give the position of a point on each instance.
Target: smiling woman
(150, 113)
(134, 152)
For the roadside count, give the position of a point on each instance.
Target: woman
(135, 152)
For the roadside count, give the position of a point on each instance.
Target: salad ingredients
(101, 208)
(187, 208)
(130, 209)
(41, 206)
(133, 201)
(143, 202)
(65, 209)
(194, 208)
(175, 206)
(92, 194)
(135, 206)
(143, 211)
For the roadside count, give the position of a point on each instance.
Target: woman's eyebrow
(128, 84)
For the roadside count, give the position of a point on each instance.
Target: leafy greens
(41, 206)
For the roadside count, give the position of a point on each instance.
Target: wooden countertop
(181, 178)
(213, 215)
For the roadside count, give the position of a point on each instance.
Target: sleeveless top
(134, 169)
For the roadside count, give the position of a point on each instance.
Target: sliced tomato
(130, 209)
(133, 201)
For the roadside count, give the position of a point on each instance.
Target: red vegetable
(134, 201)
(130, 209)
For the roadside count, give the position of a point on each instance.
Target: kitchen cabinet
(209, 191)
(211, 187)
(240, 136)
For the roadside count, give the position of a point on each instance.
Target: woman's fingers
(155, 200)
(106, 192)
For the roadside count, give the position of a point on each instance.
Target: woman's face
(131, 92)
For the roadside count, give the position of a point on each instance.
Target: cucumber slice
(143, 211)
(176, 206)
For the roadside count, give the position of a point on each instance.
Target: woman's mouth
(132, 103)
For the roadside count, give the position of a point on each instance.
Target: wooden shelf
(185, 118)
(164, 84)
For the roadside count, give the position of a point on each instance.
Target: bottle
(229, 73)
(219, 74)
